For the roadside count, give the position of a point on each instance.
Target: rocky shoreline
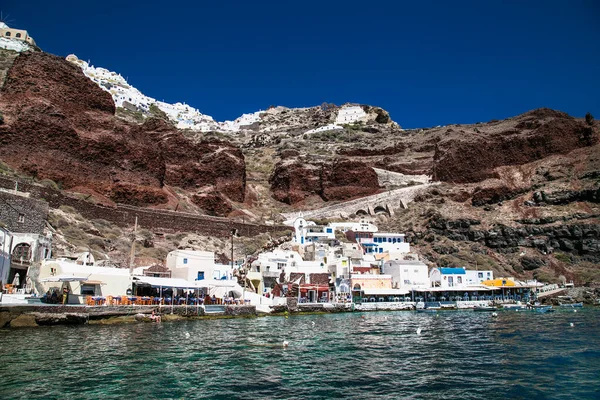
(18, 316)
(29, 316)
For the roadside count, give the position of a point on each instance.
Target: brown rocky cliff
(529, 137)
(60, 125)
(294, 180)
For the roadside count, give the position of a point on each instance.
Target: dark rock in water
(531, 263)
(24, 321)
(240, 310)
(59, 318)
(140, 317)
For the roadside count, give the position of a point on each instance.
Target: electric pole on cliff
(132, 253)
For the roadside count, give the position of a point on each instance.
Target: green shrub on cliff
(563, 257)
(157, 112)
(589, 119)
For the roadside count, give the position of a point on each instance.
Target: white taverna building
(453, 278)
(189, 270)
(407, 274)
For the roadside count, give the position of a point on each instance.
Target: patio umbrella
(17, 281)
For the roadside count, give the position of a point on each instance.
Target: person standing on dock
(65, 295)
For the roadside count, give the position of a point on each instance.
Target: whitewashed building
(384, 242)
(350, 115)
(407, 274)
(192, 265)
(309, 232)
(474, 277)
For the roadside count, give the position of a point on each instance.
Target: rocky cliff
(519, 196)
(517, 141)
(293, 180)
(60, 126)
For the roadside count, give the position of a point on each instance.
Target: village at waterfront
(337, 267)
(319, 266)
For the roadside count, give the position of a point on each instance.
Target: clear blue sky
(427, 62)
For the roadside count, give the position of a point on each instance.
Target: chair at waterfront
(109, 300)
(98, 300)
(89, 301)
(125, 301)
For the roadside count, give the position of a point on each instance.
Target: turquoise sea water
(457, 354)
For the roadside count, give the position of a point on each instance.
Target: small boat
(484, 308)
(571, 305)
(447, 307)
(515, 307)
(431, 310)
(542, 309)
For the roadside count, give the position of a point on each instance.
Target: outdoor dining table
(132, 299)
(146, 300)
(98, 300)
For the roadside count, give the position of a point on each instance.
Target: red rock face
(532, 136)
(293, 181)
(59, 125)
(346, 179)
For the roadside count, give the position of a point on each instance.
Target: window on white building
(88, 290)
(185, 260)
(21, 218)
(280, 265)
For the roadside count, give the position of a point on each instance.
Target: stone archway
(19, 264)
(21, 254)
(381, 210)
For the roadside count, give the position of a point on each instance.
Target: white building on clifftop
(18, 34)
(350, 115)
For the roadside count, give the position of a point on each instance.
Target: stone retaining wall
(124, 215)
